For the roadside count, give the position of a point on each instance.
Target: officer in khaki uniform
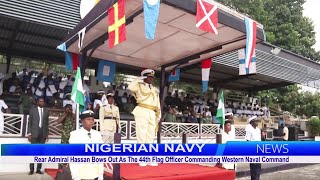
(147, 113)
(88, 136)
(109, 118)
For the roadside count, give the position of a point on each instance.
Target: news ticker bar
(243, 148)
(209, 160)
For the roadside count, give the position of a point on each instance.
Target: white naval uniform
(109, 116)
(225, 138)
(147, 112)
(252, 134)
(86, 171)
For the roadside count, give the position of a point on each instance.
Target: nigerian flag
(221, 111)
(77, 94)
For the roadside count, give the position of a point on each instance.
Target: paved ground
(24, 176)
(304, 173)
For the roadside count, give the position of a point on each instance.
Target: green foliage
(285, 26)
(314, 126)
(284, 23)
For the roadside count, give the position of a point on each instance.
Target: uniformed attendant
(225, 138)
(229, 116)
(253, 133)
(109, 118)
(68, 100)
(147, 113)
(86, 135)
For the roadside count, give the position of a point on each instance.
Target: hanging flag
(68, 61)
(205, 65)
(249, 54)
(151, 13)
(86, 6)
(77, 94)
(175, 75)
(62, 47)
(75, 61)
(221, 111)
(207, 16)
(81, 37)
(117, 23)
(242, 65)
(106, 71)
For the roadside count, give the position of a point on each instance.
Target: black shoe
(30, 173)
(39, 172)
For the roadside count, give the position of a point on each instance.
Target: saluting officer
(147, 113)
(86, 135)
(109, 118)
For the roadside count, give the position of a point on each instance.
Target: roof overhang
(32, 29)
(177, 40)
(273, 70)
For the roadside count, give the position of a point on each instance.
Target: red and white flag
(207, 16)
(205, 69)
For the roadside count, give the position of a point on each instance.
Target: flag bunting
(207, 16)
(106, 71)
(249, 54)
(151, 13)
(205, 68)
(117, 23)
(175, 75)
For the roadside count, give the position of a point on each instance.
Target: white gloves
(100, 177)
(142, 77)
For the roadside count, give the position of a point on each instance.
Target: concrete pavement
(24, 176)
(310, 172)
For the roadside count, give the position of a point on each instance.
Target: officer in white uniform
(109, 118)
(225, 138)
(147, 113)
(253, 133)
(86, 135)
(229, 116)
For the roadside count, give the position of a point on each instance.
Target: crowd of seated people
(195, 109)
(186, 108)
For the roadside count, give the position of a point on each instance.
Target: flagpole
(77, 116)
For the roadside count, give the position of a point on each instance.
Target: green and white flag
(77, 94)
(221, 111)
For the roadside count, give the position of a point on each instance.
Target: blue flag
(151, 14)
(68, 59)
(106, 71)
(175, 75)
(62, 47)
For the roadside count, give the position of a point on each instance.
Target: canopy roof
(33, 29)
(273, 70)
(177, 40)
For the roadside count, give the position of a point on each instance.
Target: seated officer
(86, 135)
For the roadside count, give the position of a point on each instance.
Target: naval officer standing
(147, 113)
(109, 118)
(86, 135)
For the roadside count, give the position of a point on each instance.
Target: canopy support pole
(163, 93)
(8, 63)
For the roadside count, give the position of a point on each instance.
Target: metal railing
(13, 125)
(16, 126)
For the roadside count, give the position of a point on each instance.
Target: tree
(286, 27)
(283, 22)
